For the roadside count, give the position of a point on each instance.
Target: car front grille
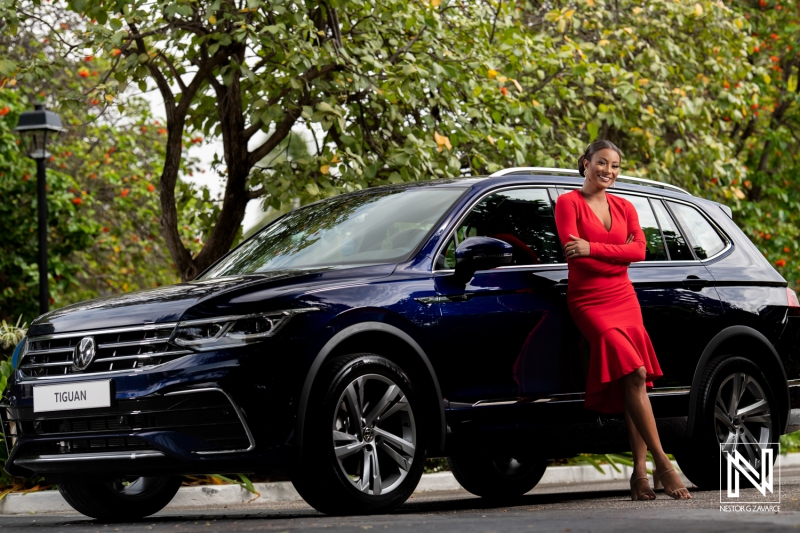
(207, 415)
(52, 356)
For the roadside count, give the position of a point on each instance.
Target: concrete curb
(221, 495)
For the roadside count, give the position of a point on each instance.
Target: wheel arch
(743, 341)
(388, 341)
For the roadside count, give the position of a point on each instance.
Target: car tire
(499, 477)
(747, 423)
(363, 449)
(120, 500)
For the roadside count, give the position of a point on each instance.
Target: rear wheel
(736, 411)
(363, 450)
(498, 477)
(123, 499)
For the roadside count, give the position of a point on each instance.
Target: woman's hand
(577, 247)
(581, 248)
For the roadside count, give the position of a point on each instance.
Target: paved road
(596, 507)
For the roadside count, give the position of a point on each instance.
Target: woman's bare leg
(637, 406)
(639, 449)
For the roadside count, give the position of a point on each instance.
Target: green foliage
(18, 273)
(11, 334)
(790, 443)
(403, 90)
(395, 88)
(701, 94)
(438, 464)
(104, 212)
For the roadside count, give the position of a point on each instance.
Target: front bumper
(192, 416)
(180, 424)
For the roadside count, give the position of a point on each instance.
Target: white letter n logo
(739, 463)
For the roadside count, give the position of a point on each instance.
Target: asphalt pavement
(591, 507)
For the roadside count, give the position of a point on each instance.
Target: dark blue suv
(352, 338)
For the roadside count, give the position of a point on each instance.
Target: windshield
(374, 227)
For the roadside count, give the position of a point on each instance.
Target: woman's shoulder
(568, 197)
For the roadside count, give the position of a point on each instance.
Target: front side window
(704, 239)
(652, 233)
(382, 226)
(521, 217)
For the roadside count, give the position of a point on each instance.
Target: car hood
(170, 303)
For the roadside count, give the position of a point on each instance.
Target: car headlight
(231, 331)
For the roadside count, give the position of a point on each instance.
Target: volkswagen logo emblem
(84, 354)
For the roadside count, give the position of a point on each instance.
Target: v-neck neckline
(600, 220)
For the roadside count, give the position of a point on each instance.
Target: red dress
(601, 297)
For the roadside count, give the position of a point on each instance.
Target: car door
(680, 305)
(503, 333)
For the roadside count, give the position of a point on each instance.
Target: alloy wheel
(742, 417)
(374, 435)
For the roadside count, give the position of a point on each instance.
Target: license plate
(67, 396)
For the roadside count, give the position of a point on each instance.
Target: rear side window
(652, 233)
(678, 248)
(521, 217)
(704, 239)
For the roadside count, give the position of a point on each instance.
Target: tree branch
(406, 48)
(257, 193)
(172, 69)
(199, 78)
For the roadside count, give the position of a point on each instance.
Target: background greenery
(702, 94)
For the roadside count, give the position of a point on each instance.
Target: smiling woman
(602, 236)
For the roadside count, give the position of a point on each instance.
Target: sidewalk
(221, 495)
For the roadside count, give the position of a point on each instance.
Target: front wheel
(497, 477)
(122, 499)
(363, 450)
(737, 411)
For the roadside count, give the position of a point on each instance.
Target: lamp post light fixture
(35, 126)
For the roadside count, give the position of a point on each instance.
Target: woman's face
(603, 168)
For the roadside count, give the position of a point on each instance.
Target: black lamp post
(35, 126)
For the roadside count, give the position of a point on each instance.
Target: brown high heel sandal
(638, 496)
(675, 494)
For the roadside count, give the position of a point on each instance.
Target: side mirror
(481, 253)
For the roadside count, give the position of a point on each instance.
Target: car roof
(547, 176)
(542, 174)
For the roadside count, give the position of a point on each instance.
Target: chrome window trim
(466, 213)
(236, 409)
(683, 262)
(720, 232)
(572, 172)
(725, 237)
